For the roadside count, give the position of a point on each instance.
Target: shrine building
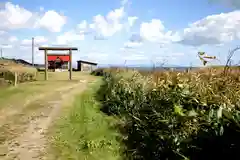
(58, 61)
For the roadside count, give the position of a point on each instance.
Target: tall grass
(11, 72)
(175, 115)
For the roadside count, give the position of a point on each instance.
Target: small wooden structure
(85, 65)
(69, 49)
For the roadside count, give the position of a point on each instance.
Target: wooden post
(15, 78)
(46, 65)
(70, 64)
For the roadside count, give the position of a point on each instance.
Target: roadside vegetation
(159, 115)
(174, 115)
(12, 73)
(84, 132)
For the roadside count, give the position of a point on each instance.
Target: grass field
(84, 132)
(22, 91)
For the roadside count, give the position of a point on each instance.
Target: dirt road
(23, 125)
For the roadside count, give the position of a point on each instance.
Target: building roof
(58, 48)
(91, 63)
(54, 57)
(57, 54)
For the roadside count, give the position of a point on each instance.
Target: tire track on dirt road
(11, 110)
(31, 144)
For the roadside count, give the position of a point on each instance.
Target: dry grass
(14, 95)
(10, 70)
(210, 83)
(52, 76)
(170, 114)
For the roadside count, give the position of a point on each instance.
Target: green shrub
(98, 72)
(177, 116)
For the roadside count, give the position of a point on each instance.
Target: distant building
(86, 66)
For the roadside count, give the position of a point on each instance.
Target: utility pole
(153, 65)
(33, 51)
(1, 53)
(125, 65)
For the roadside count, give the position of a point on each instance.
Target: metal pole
(1, 53)
(70, 63)
(33, 51)
(153, 65)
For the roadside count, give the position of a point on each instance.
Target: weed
(175, 115)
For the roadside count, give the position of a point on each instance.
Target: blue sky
(118, 31)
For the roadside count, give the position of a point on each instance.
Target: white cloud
(83, 28)
(214, 29)
(38, 40)
(13, 39)
(52, 21)
(17, 17)
(124, 2)
(116, 14)
(41, 9)
(109, 25)
(178, 54)
(14, 17)
(6, 46)
(136, 57)
(154, 31)
(130, 44)
(132, 20)
(69, 37)
(2, 32)
(83, 25)
(95, 56)
(135, 38)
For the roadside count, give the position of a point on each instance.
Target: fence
(17, 74)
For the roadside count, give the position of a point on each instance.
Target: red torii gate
(46, 49)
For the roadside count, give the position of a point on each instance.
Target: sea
(150, 68)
